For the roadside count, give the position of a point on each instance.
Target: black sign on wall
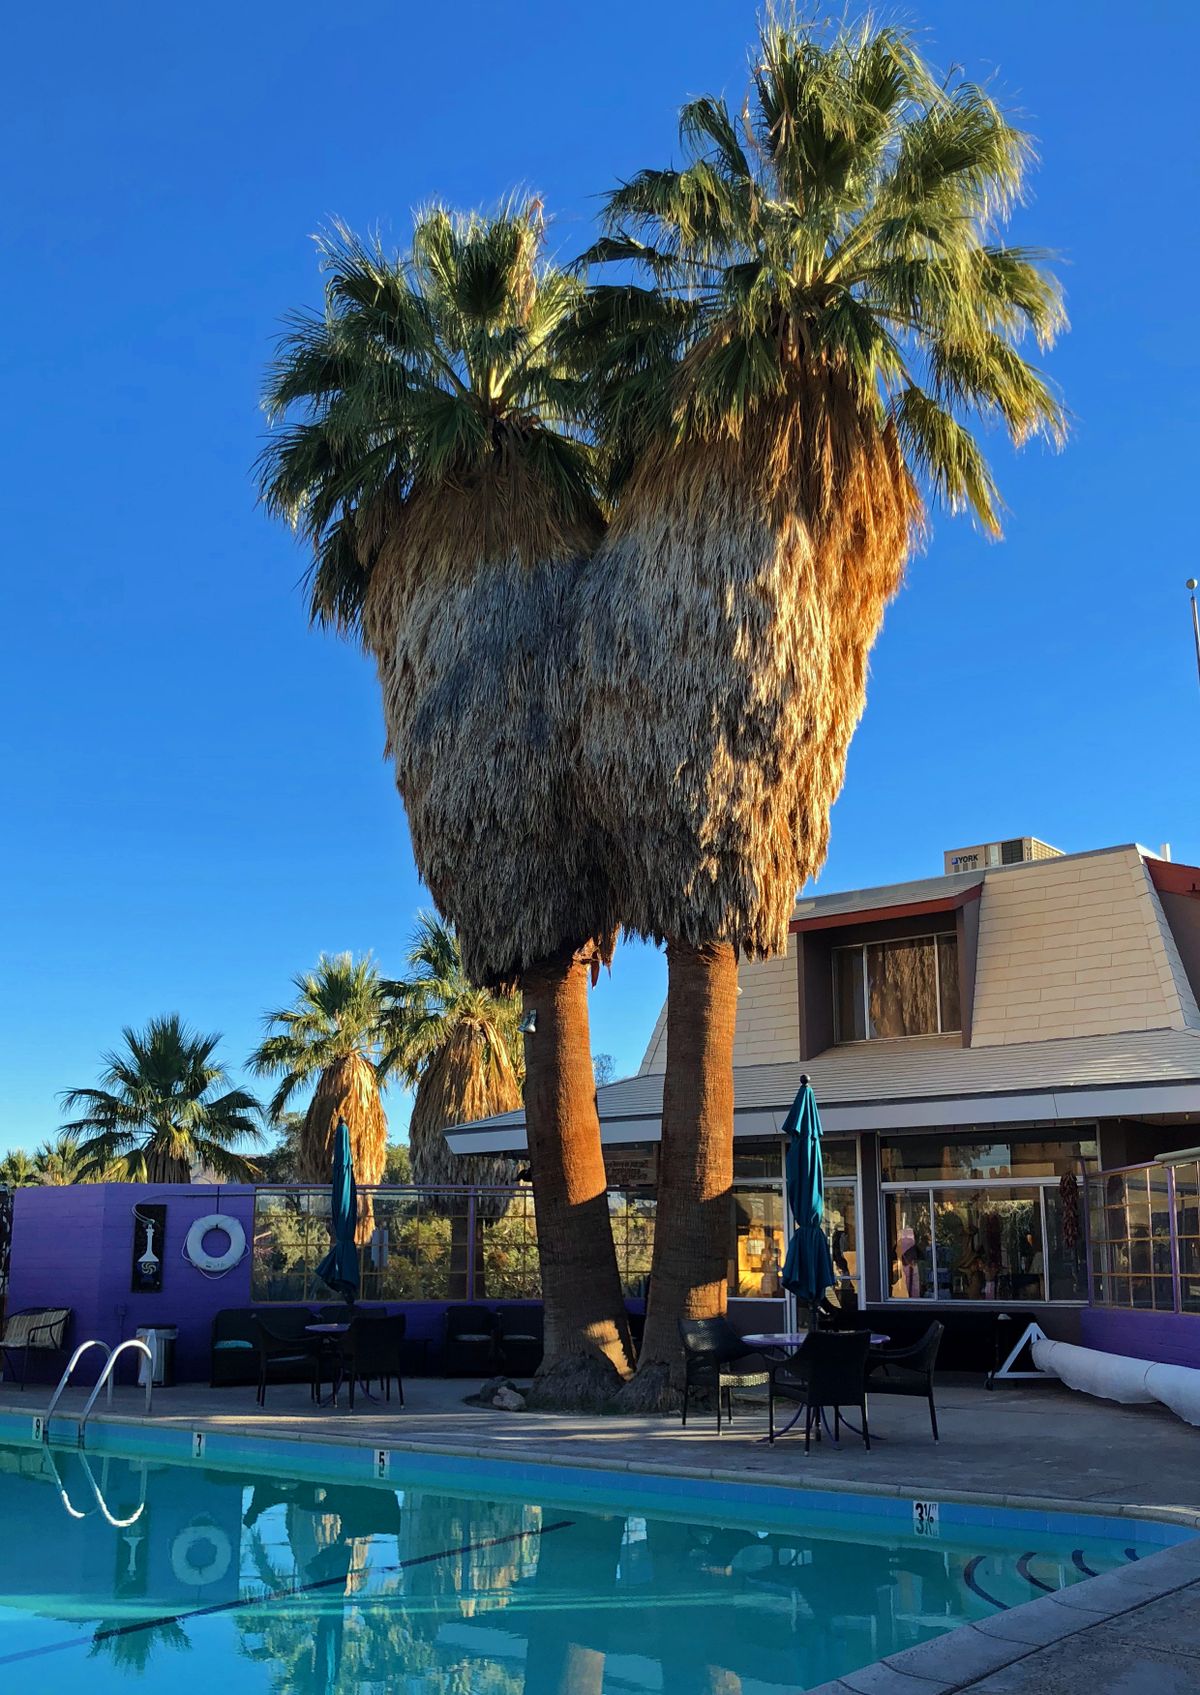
(149, 1234)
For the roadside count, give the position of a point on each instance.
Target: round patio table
(331, 1333)
(784, 1343)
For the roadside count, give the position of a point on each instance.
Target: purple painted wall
(1172, 1337)
(73, 1246)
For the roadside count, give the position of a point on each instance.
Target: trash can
(160, 1339)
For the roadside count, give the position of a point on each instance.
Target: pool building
(997, 1051)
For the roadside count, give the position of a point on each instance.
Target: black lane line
(971, 1582)
(1023, 1568)
(272, 1595)
(1081, 1564)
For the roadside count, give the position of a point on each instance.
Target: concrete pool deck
(1028, 1445)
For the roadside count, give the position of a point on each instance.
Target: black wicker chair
(470, 1341)
(521, 1339)
(286, 1358)
(908, 1371)
(830, 1370)
(371, 1352)
(714, 1358)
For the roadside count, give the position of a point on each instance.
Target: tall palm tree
(162, 1108)
(459, 1047)
(430, 448)
(827, 306)
(332, 1035)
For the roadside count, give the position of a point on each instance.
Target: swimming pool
(296, 1568)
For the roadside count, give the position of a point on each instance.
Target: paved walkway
(1030, 1445)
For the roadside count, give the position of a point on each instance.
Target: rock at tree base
(508, 1400)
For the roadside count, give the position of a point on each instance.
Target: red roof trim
(873, 914)
(1172, 879)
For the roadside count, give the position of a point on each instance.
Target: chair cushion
(229, 1346)
(470, 1336)
(743, 1379)
(42, 1328)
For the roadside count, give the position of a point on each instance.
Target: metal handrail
(106, 1377)
(74, 1360)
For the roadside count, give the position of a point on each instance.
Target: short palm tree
(827, 306)
(430, 447)
(163, 1107)
(459, 1047)
(61, 1162)
(331, 1036)
(18, 1171)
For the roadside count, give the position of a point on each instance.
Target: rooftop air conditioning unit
(1015, 851)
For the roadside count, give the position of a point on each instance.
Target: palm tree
(459, 1047)
(61, 1162)
(163, 1107)
(827, 307)
(18, 1171)
(332, 1035)
(430, 449)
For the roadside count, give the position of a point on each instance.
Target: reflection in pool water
(231, 1581)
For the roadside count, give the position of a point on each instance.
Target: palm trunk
(690, 1266)
(587, 1350)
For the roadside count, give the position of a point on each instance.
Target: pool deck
(1034, 1445)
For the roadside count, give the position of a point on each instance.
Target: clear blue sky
(195, 798)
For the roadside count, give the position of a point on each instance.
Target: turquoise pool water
(301, 1571)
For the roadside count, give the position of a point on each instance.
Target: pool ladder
(112, 1355)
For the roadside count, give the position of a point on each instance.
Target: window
(978, 1215)
(907, 987)
(759, 1235)
(1131, 1214)
(1187, 1227)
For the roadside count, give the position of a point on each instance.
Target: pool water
(117, 1568)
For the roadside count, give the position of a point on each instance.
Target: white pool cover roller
(1117, 1377)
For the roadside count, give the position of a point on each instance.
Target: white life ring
(193, 1248)
(188, 1561)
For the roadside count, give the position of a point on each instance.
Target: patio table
(784, 1343)
(331, 1333)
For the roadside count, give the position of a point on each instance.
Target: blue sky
(196, 798)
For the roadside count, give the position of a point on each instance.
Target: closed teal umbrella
(339, 1268)
(808, 1268)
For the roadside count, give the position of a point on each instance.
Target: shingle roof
(927, 1068)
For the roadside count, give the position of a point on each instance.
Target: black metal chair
(908, 1371)
(286, 1358)
(470, 1341)
(830, 1370)
(712, 1356)
(371, 1351)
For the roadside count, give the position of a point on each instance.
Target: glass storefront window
(984, 1153)
(760, 1242)
(989, 1245)
(841, 1227)
(909, 1244)
(973, 1237)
